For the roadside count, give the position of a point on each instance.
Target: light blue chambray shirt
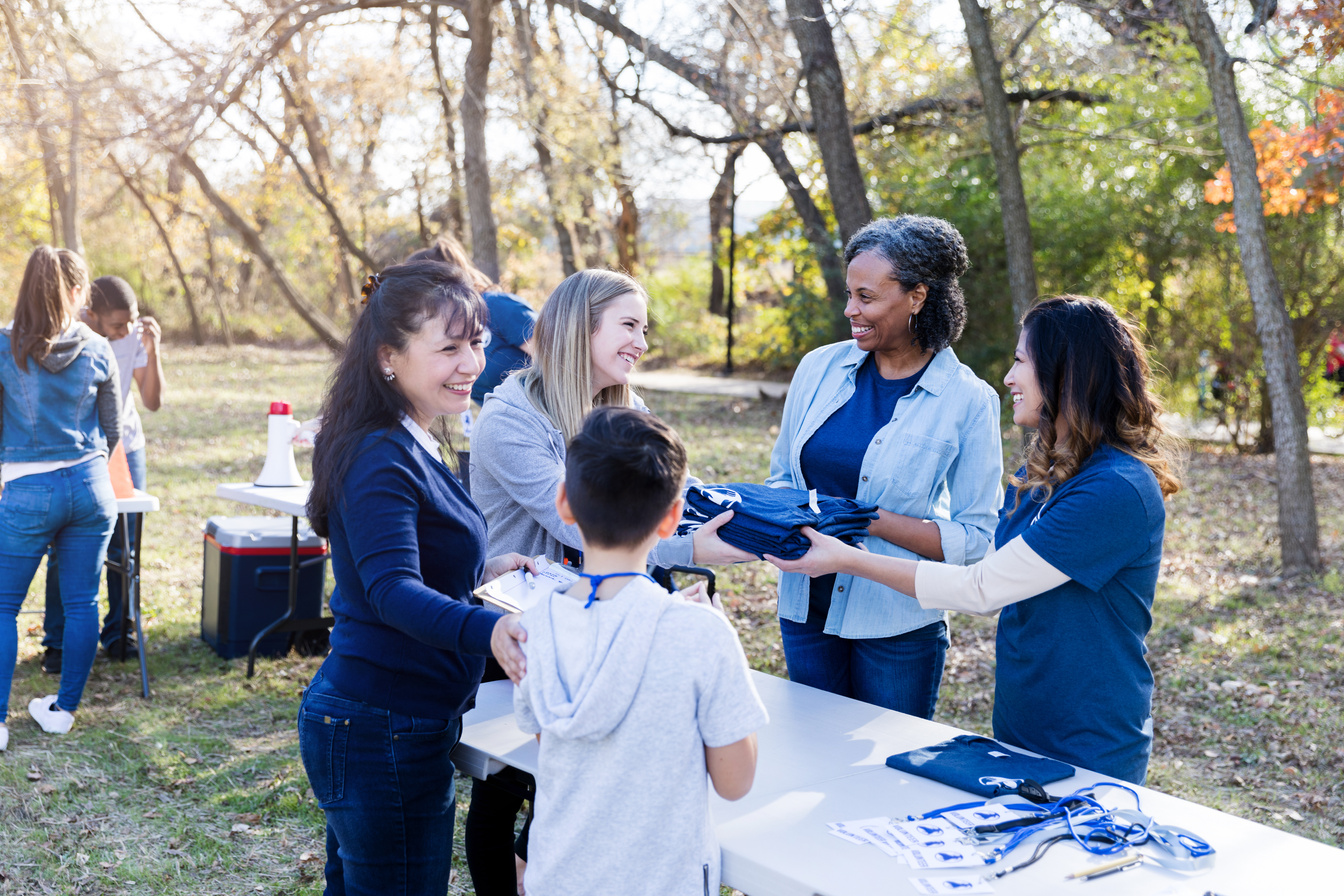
(939, 458)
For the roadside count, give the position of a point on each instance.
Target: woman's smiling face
(1024, 387)
(436, 370)
(619, 341)
(878, 307)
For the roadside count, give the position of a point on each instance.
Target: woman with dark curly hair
(891, 418)
(1078, 545)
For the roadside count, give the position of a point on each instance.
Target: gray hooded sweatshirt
(626, 694)
(517, 461)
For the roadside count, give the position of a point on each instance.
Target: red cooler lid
(281, 407)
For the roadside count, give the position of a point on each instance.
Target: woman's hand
(827, 555)
(506, 563)
(709, 548)
(504, 644)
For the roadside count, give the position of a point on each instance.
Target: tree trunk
(814, 227)
(70, 216)
(456, 225)
(1003, 142)
(30, 88)
(212, 271)
(476, 165)
(527, 46)
(197, 331)
(719, 218)
(830, 115)
(322, 325)
(1298, 535)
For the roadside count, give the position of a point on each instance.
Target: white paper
(878, 836)
(966, 819)
(849, 836)
(914, 834)
(520, 590)
(944, 857)
(862, 822)
(938, 886)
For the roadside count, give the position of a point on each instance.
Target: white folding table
(293, 500)
(822, 759)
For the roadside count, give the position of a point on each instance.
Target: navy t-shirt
(1072, 681)
(511, 323)
(832, 458)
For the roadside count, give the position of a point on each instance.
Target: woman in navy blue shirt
(407, 548)
(1077, 549)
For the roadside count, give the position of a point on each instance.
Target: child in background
(114, 314)
(634, 693)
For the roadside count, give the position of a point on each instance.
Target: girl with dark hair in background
(1078, 545)
(890, 418)
(382, 714)
(60, 422)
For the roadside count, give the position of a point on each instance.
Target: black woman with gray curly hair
(890, 418)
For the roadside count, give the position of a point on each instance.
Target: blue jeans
(902, 672)
(53, 622)
(75, 509)
(385, 782)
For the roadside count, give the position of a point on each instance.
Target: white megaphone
(280, 469)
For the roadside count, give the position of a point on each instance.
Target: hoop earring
(388, 374)
(913, 324)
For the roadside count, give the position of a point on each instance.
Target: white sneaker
(52, 720)
(4, 737)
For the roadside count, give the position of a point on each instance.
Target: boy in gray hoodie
(634, 694)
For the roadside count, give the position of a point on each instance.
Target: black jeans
(490, 843)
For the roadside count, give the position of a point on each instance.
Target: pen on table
(1122, 863)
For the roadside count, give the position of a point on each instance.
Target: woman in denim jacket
(60, 422)
(893, 419)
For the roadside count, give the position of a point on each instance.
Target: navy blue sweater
(407, 548)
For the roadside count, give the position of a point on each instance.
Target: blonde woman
(588, 338)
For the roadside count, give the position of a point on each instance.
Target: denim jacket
(63, 407)
(939, 458)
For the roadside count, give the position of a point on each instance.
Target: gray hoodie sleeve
(523, 460)
(109, 404)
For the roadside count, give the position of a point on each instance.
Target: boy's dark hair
(623, 471)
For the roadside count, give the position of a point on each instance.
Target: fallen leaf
(1294, 815)
(150, 814)
(34, 775)
(248, 818)
(46, 788)
(240, 828)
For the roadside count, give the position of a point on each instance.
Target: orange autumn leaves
(1300, 169)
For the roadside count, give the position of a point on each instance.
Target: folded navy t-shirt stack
(770, 520)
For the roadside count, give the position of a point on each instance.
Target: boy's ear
(667, 526)
(562, 505)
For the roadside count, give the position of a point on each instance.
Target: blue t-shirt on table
(511, 324)
(1071, 679)
(832, 458)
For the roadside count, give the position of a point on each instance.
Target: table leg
(293, 597)
(139, 617)
(129, 567)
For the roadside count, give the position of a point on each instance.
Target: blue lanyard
(598, 580)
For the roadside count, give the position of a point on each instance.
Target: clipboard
(119, 471)
(519, 591)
